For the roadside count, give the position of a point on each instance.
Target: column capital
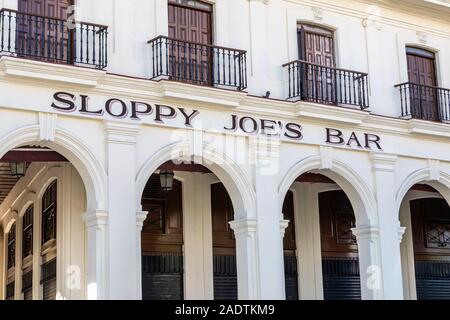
(366, 232)
(401, 231)
(283, 226)
(140, 218)
(95, 218)
(243, 226)
(121, 133)
(383, 161)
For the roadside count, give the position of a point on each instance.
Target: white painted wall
(113, 158)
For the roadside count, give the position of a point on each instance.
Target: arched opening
(186, 241)
(426, 244)
(44, 193)
(320, 251)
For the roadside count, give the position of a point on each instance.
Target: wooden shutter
(430, 220)
(316, 47)
(340, 266)
(290, 249)
(27, 285)
(224, 244)
(48, 280)
(41, 37)
(433, 280)
(341, 279)
(162, 276)
(422, 71)
(190, 23)
(162, 242)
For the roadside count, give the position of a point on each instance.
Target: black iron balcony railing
(327, 85)
(53, 40)
(197, 63)
(424, 102)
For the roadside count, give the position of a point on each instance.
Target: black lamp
(18, 169)
(166, 178)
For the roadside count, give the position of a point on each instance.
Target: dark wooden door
(430, 220)
(42, 32)
(316, 46)
(290, 249)
(190, 54)
(224, 244)
(340, 267)
(162, 242)
(422, 72)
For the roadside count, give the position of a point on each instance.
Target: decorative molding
(422, 37)
(283, 226)
(140, 218)
(435, 169)
(326, 157)
(47, 126)
(317, 13)
(95, 218)
(401, 231)
(429, 128)
(372, 23)
(331, 113)
(208, 95)
(121, 132)
(366, 232)
(42, 71)
(243, 226)
(260, 1)
(383, 162)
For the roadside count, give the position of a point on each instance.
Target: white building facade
(224, 149)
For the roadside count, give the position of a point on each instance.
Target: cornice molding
(333, 113)
(95, 218)
(43, 71)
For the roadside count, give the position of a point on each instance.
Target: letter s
(59, 96)
(294, 131)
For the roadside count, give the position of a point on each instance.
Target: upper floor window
(421, 66)
(316, 45)
(12, 247)
(49, 213)
(27, 232)
(423, 83)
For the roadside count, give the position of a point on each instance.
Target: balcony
(326, 85)
(197, 63)
(424, 102)
(53, 40)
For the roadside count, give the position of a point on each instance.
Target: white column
(123, 245)
(389, 226)
(270, 244)
(246, 260)
(197, 236)
(140, 218)
(307, 234)
(369, 262)
(18, 265)
(96, 227)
